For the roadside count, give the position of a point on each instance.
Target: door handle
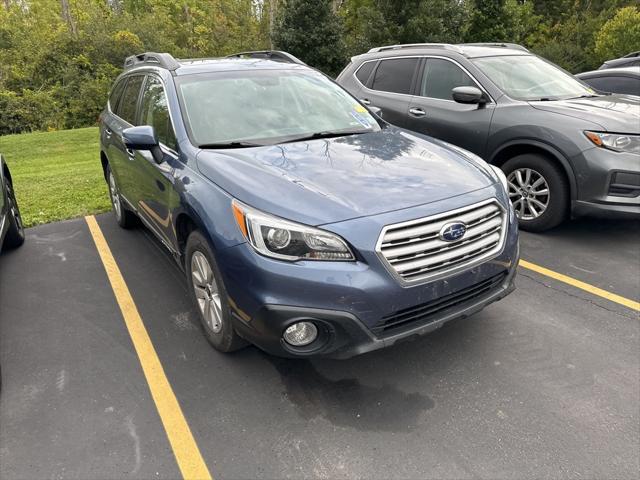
(131, 153)
(417, 112)
(365, 101)
(107, 131)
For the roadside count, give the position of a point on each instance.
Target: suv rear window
(364, 72)
(395, 75)
(442, 76)
(127, 106)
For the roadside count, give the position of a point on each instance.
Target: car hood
(613, 113)
(330, 180)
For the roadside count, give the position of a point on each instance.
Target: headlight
(615, 141)
(278, 238)
(503, 178)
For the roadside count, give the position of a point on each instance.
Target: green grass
(56, 175)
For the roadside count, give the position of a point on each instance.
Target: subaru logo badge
(452, 232)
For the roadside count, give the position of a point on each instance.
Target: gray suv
(565, 148)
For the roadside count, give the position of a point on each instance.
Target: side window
(395, 75)
(364, 72)
(442, 76)
(599, 83)
(626, 85)
(127, 107)
(116, 92)
(155, 112)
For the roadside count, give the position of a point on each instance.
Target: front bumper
(599, 175)
(356, 305)
(343, 335)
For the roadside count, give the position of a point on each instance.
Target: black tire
(125, 217)
(15, 234)
(557, 200)
(225, 339)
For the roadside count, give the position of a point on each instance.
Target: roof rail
(162, 60)
(446, 46)
(275, 55)
(632, 55)
(515, 46)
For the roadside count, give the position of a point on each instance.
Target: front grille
(414, 250)
(431, 311)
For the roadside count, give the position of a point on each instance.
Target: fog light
(301, 334)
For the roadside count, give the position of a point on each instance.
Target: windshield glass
(267, 107)
(526, 77)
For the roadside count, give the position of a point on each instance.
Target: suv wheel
(124, 217)
(538, 191)
(15, 234)
(209, 295)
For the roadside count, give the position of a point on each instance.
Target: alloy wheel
(115, 197)
(13, 207)
(529, 192)
(206, 291)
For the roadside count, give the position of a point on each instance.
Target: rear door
(120, 157)
(389, 87)
(155, 195)
(434, 112)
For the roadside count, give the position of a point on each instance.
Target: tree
(311, 31)
(488, 22)
(620, 35)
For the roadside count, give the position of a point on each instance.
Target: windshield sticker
(360, 109)
(361, 120)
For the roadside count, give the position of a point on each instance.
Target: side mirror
(468, 95)
(143, 138)
(375, 110)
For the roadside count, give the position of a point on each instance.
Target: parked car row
(321, 218)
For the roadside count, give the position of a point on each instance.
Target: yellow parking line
(184, 446)
(632, 304)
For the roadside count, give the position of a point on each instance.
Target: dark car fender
(527, 145)
(208, 208)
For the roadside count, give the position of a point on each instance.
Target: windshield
(526, 77)
(268, 106)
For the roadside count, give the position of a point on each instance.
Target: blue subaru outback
(305, 224)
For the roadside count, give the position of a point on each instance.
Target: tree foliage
(58, 58)
(620, 35)
(312, 32)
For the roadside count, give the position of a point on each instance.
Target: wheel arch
(519, 147)
(184, 225)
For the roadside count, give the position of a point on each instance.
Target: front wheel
(538, 190)
(15, 234)
(124, 217)
(209, 295)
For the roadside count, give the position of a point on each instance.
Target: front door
(155, 181)
(434, 112)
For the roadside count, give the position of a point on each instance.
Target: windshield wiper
(230, 145)
(327, 134)
(586, 95)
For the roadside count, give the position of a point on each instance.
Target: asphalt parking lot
(545, 383)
